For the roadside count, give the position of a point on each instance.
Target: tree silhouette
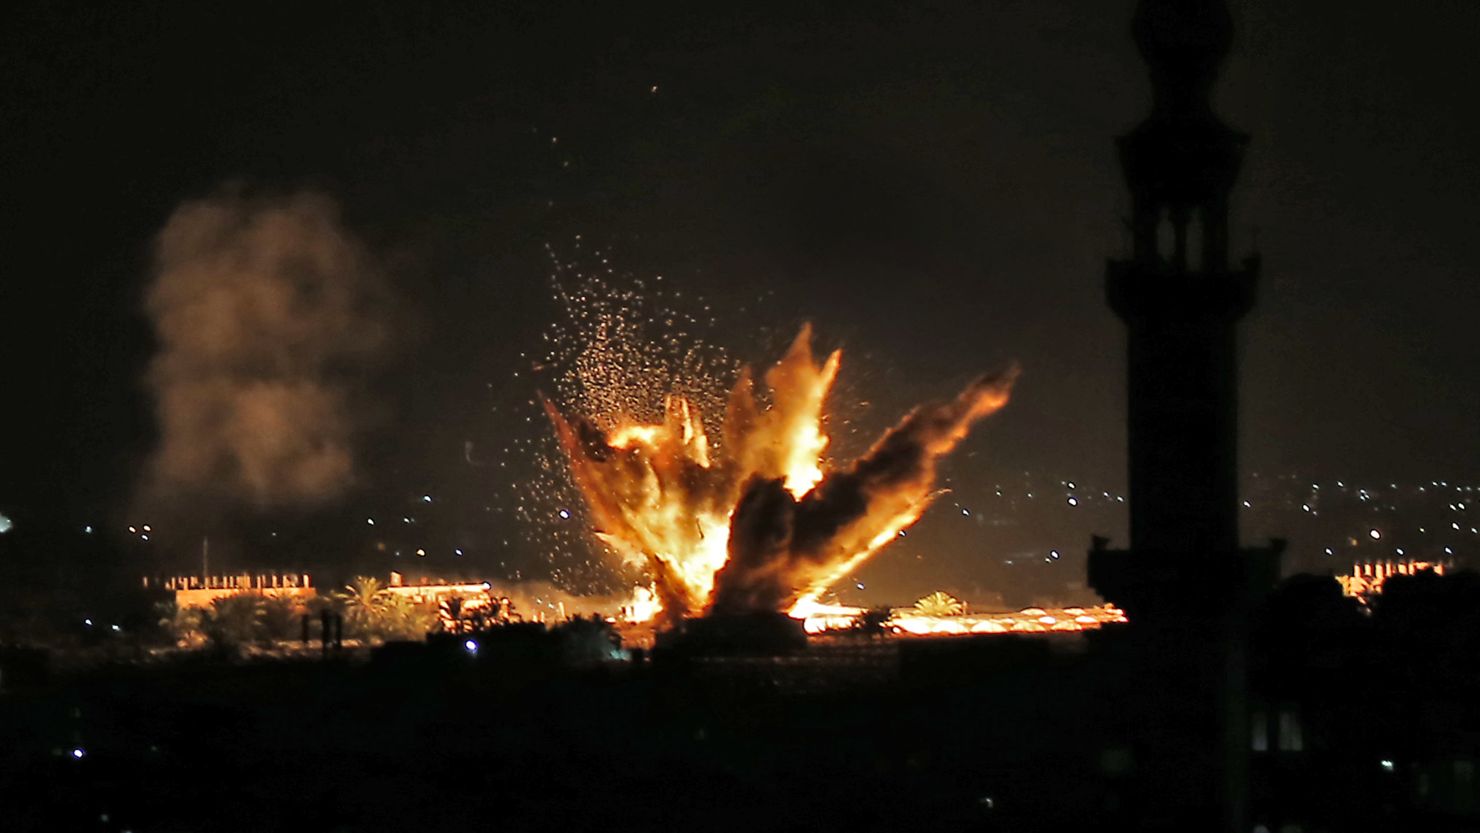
(940, 603)
(364, 600)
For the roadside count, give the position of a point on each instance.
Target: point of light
(471, 646)
(87, 622)
(564, 514)
(1073, 501)
(370, 521)
(421, 552)
(1387, 765)
(426, 498)
(147, 528)
(1374, 534)
(87, 529)
(457, 552)
(78, 752)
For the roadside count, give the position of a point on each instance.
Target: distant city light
(1387, 765)
(457, 552)
(78, 752)
(564, 514)
(966, 513)
(421, 552)
(471, 646)
(1073, 501)
(87, 529)
(426, 498)
(1374, 534)
(1054, 554)
(370, 521)
(115, 628)
(87, 622)
(147, 528)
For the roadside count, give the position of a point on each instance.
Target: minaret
(1177, 294)
(1185, 583)
(1181, 302)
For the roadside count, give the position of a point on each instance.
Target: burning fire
(911, 622)
(752, 520)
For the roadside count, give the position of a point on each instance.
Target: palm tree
(450, 613)
(940, 603)
(233, 621)
(364, 601)
(402, 618)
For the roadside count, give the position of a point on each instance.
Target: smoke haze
(266, 312)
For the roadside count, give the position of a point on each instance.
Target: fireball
(754, 520)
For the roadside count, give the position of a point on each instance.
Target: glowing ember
(752, 521)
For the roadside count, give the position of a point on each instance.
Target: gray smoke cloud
(266, 311)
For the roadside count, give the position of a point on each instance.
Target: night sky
(934, 186)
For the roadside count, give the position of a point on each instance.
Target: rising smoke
(266, 312)
(782, 547)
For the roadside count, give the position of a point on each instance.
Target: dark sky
(932, 184)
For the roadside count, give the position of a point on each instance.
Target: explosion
(752, 521)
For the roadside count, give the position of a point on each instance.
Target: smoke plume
(265, 311)
(783, 548)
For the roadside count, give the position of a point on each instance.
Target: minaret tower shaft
(1185, 583)
(1178, 296)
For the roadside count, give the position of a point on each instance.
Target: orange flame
(756, 522)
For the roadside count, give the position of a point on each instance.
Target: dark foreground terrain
(1359, 723)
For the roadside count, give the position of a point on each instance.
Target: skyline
(871, 204)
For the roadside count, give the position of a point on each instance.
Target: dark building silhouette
(1185, 582)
